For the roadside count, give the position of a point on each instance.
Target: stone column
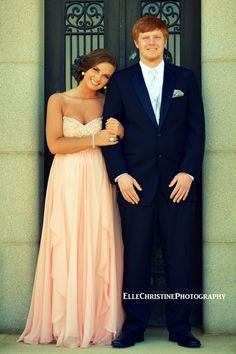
(21, 154)
(219, 174)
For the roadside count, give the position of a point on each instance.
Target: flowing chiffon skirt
(76, 298)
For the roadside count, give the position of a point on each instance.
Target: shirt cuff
(190, 176)
(116, 179)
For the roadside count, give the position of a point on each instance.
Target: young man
(155, 166)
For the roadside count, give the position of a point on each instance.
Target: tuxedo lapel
(167, 92)
(142, 92)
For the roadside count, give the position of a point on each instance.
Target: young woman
(77, 288)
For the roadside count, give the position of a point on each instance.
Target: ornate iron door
(75, 27)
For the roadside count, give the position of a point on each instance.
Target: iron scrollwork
(85, 17)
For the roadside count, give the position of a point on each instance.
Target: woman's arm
(57, 143)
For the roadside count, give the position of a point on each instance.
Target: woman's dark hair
(90, 60)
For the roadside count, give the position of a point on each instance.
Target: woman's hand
(104, 138)
(115, 127)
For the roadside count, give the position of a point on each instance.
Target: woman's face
(98, 76)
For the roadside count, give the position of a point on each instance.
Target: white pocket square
(177, 93)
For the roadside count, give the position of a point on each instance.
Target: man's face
(151, 46)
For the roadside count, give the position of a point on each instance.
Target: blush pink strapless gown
(76, 298)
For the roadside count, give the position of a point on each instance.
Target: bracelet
(93, 136)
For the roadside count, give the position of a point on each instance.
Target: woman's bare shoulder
(56, 97)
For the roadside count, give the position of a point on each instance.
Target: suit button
(159, 134)
(160, 156)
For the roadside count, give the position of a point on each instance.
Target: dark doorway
(73, 28)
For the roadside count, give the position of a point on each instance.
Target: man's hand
(182, 182)
(126, 184)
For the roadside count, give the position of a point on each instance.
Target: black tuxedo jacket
(151, 153)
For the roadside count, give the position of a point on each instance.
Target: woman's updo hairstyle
(84, 63)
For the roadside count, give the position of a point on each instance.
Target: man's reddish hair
(149, 23)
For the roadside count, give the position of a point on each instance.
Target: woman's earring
(83, 73)
(104, 87)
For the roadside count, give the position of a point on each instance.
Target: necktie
(154, 92)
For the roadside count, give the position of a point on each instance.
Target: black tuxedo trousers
(172, 223)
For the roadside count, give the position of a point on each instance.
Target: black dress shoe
(125, 340)
(185, 339)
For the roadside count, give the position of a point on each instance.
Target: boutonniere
(177, 93)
